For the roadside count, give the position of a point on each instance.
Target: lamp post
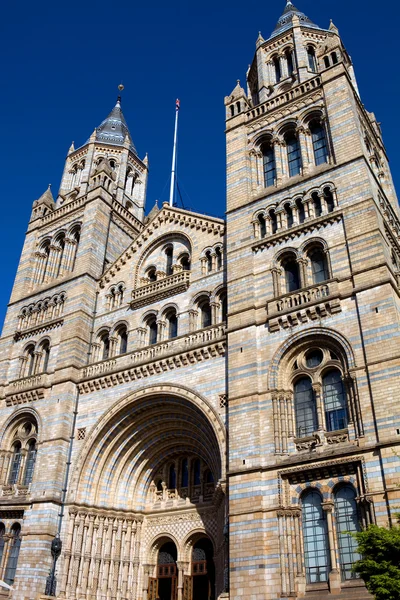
(51, 581)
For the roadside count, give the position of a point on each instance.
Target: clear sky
(62, 63)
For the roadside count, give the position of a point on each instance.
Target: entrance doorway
(203, 570)
(165, 585)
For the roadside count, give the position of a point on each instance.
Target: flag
(178, 104)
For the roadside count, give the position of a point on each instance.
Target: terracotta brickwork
(201, 408)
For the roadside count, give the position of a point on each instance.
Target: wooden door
(187, 587)
(152, 589)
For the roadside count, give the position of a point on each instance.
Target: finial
(49, 188)
(121, 87)
(238, 81)
(289, 3)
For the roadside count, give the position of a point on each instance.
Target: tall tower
(313, 285)
(47, 332)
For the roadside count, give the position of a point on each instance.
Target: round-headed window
(314, 358)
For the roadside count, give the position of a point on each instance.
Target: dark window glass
(31, 361)
(46, 356)
(326, 61)
(274, 221)
(269, 164)
(329, 199)
(335, 401)
(312, 63)
(263, 228)
(172, 477)
(169, 254)
(15, 544)
(185, 262)
(224, 307)
(30, 463)
(277, 67)
(289, 60)
(152, 275)
(185, 473)
(292, 276)
(153, 331)
(300, 208)
(123, 341)
(209, 261)
(334, 58)
(2, 532)
(289, 215)
(293, 154)
(315, 534)
(319, 143)
(347, 522)
(319, 266)
(106, 347)
(314, 358)
(196, 472)
(205, 314)
(305, 409)
(218, 256)
(172, 326)
(15, 464)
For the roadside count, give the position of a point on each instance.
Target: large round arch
(139, 432)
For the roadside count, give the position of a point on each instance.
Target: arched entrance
(203, 570)
(165, 585)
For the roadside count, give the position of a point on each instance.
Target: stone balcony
(167, 355)
(26, 389)
(160, 289)
(307, 304)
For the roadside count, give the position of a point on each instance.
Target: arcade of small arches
(295, 269)
(57, 255)
(282, 65)
(295, 211)
(290, 152)
(186, 478)
(317, 402)
(42, 311)
(35, 358)
(163, 325)
(212, 259)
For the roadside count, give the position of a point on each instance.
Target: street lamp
(51, 581)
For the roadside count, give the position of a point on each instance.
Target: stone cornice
(38, 329)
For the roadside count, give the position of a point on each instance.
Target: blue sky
(62, 63)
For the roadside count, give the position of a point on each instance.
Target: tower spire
(114, 129)
(285, 22)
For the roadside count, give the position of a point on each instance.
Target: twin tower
(203, 409)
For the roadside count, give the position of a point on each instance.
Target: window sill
(321, 438)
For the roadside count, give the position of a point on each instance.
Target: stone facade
(132, 345)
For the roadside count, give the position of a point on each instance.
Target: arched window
(105, 346)
(273, 221)
(197, 472)
(312, 62)
(330, 203)
(224, 307)
(277, 67)
(293, 153)
(334, 58)
(209, 261)
(75, 238)
(60, 245)
(315, 535)
(334, 400)
(319, 265)
(205, 313)
(347, 522)
(292, 274)
(218, 257)
(152, 274)
(185, 473)
(30, 462)
(152, 330)
(289, 61)
(15, 544)
(305, 407)
(30, 354)
(300, 209)
(289, 215)
(262, 225)
(15, 464)
(317, 204)
(319, 142)
(268, 153)
(172, 477)
(169, 252)
(326, 61)
(45, 356)
(172, 324)
(185, 262)
(122, 336)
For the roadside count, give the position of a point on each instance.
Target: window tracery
(57, 256)
(35, 359)
(212, 259)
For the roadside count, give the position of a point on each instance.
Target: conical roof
(285, 22)
(114, 130)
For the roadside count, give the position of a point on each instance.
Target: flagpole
(172, 188)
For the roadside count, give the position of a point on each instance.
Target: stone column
(320, 408)
(279, 162)
(305, 160)
(334, 575)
